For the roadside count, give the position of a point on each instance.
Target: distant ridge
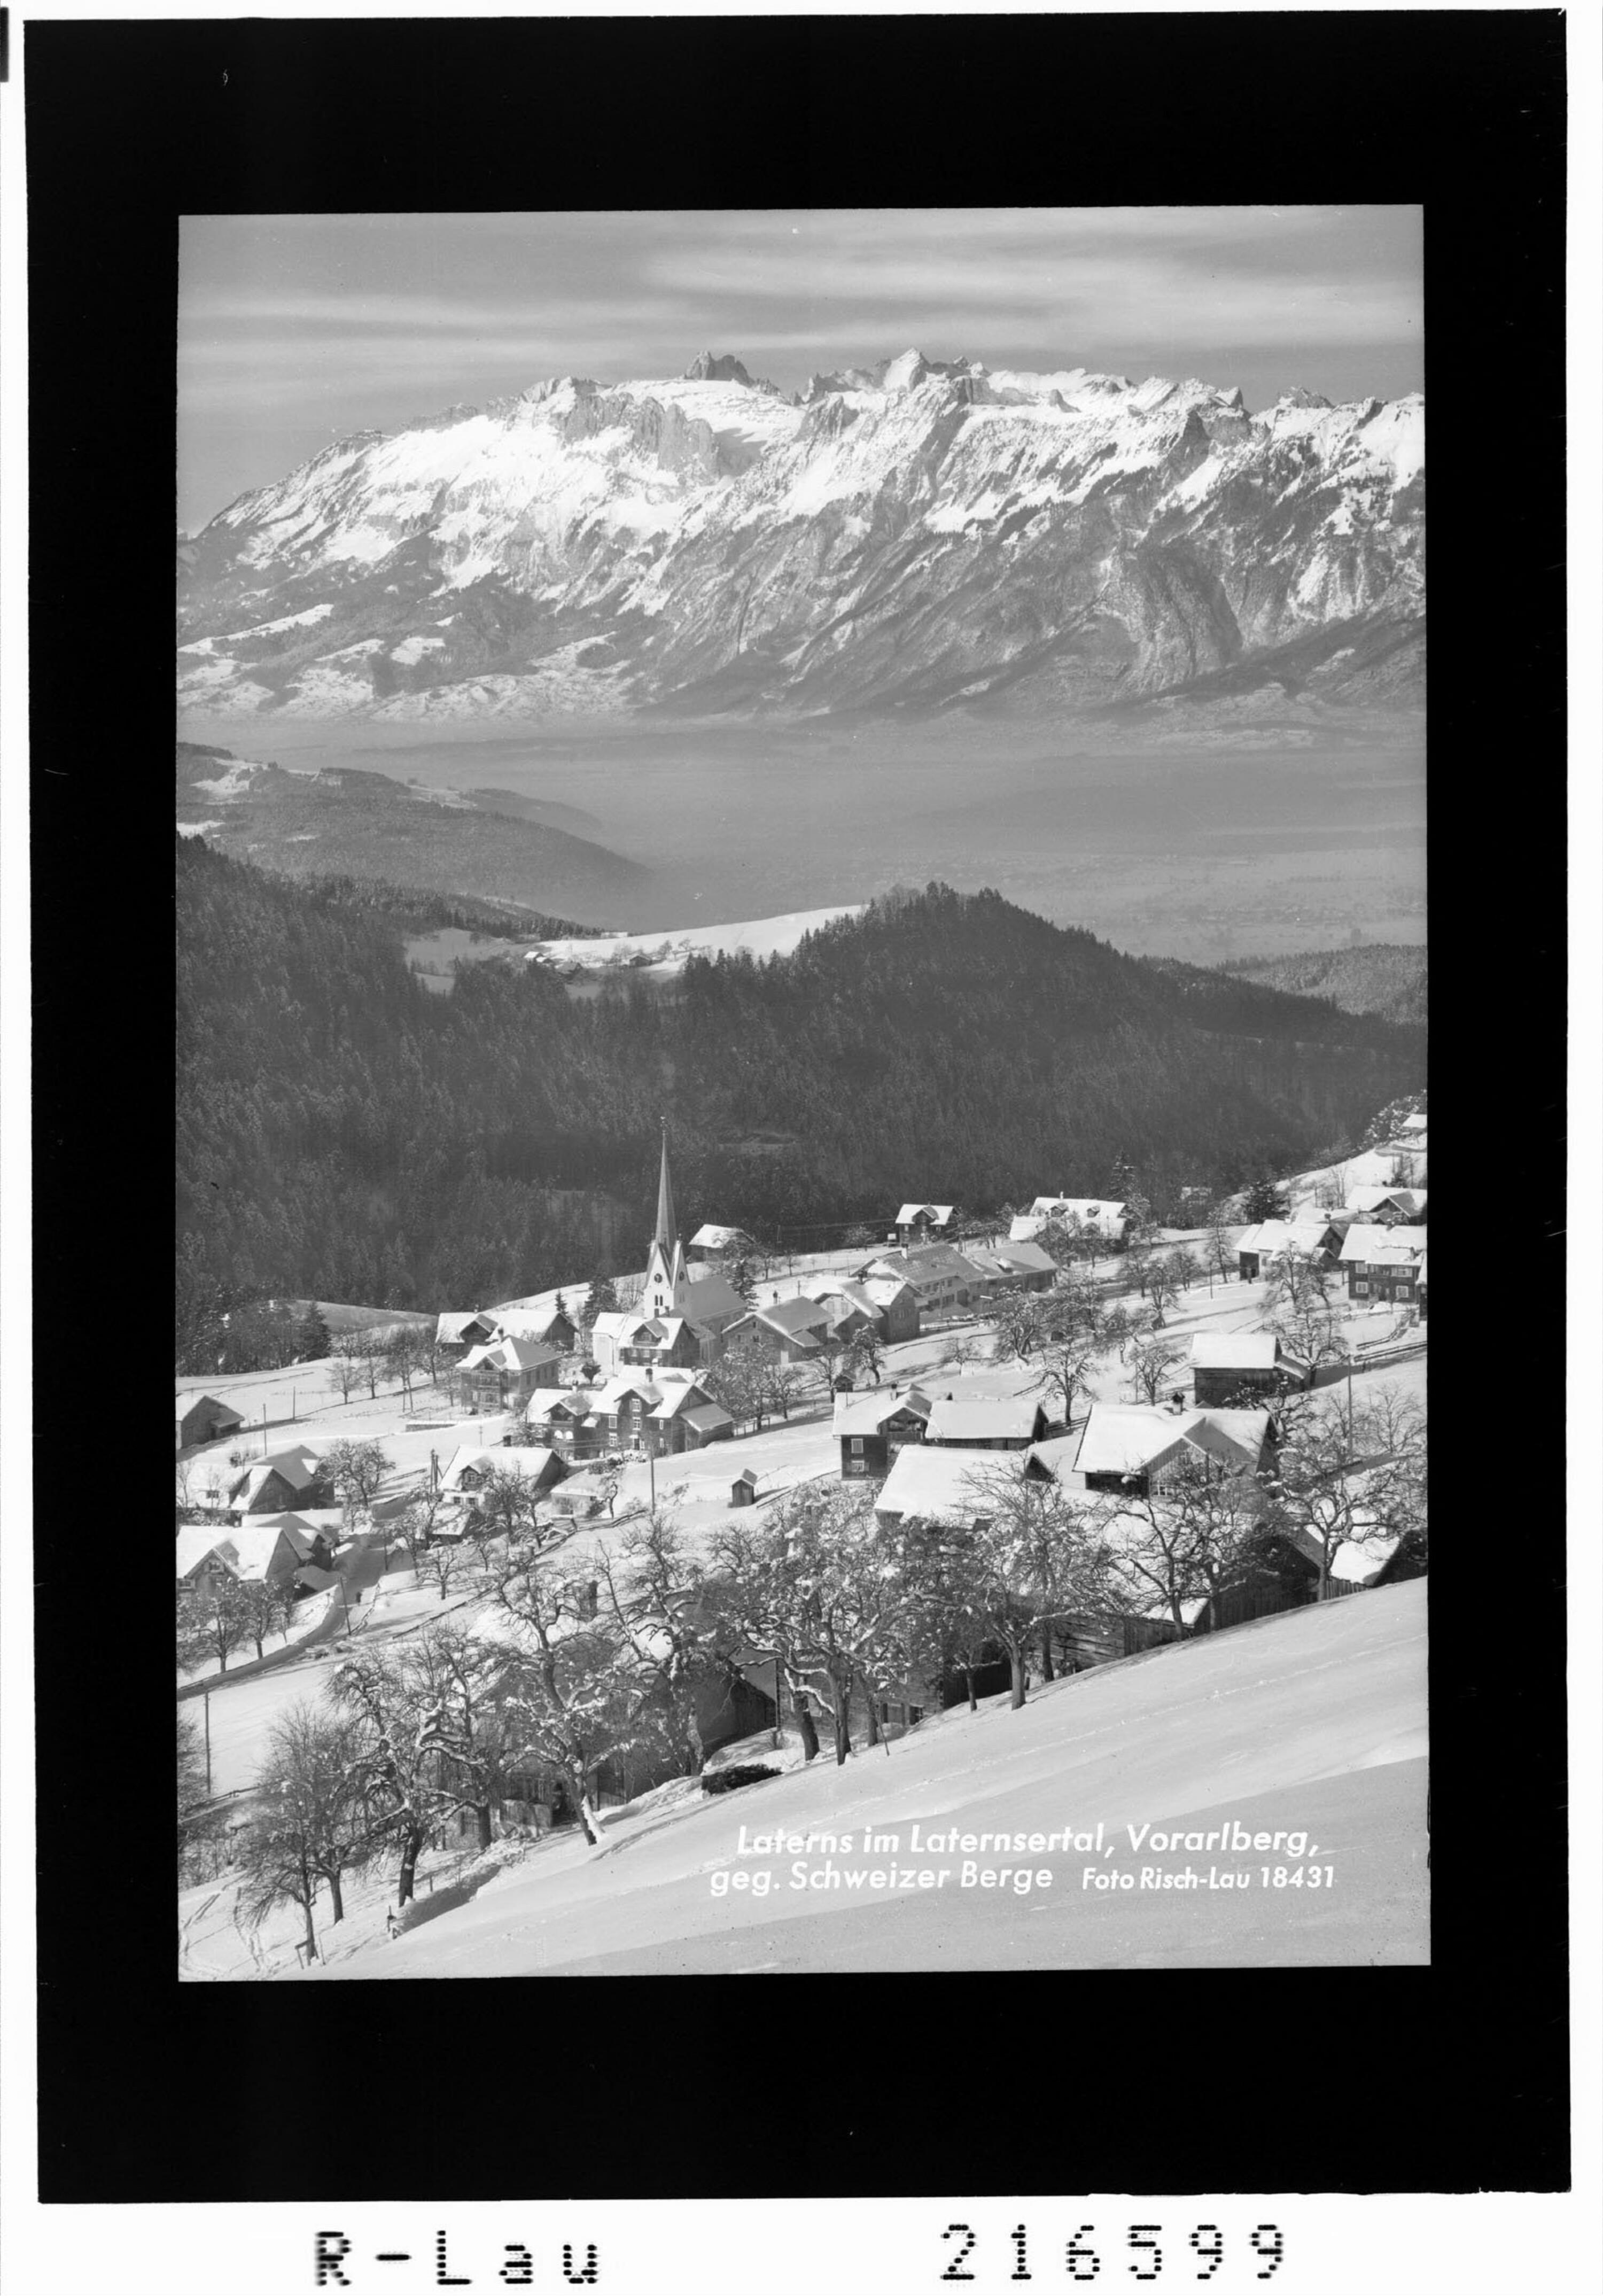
(1389, 979)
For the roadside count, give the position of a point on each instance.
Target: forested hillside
(1381, 977)
(345, 1135)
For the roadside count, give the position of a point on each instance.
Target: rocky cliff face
(910, 534)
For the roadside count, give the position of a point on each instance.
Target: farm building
(1133, 1448)
(270, 1549)
(896, 1303)
(711, 1242)
(1387, 1207)
(1308, 1238)
(202, 1419)
(553, 1326)
(1228, 1366)
(788, 1331)
(987, 1422)
(458, 1330)
(873, 1428)
(286, 1480)
(928, 1485)
(471, 1467)
(1384, 1264)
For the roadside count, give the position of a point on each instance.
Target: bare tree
(265, 1606)
(356, 1469)
(1152, 1363)
(1029, 1560)
(404, 1353)
(213, 1619)
(308, 1824)
(783, 1383)
(576, 1696)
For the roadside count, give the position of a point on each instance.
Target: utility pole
(206, 1703)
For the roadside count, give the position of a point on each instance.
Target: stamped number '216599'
(1198, 2254)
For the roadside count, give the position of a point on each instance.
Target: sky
(294, 330)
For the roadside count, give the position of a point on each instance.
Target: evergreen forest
(344, 1134)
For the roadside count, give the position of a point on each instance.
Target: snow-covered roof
(186, 1403)
(1235, 1351)
(621, 1323)
(1121, 1438)
(705, 1417)
(299, 1470)
(544, 1400)
(1368, 1200)
(245, 1550)
(1056, 1452)
(710, 1237)
(882, 1290)
(943, 1486)
(1277, 1235)
(1091, 1211)
(937, 1215)
(929, 1264)
(530, 1461)
(983, 1418)
(1404, 1245)
(456, 1323)
(701, 1296)
(866, 1415)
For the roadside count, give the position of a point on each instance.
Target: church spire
(666, 1273)
(666, 1233)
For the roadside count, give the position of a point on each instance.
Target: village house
(1102, 1220)
(847, 1312)
(1134, 1448)
(923, 1223)
(1307, 1239)
(987, 1422)
(202, 1419)
(627, 1338)
(786, 1331)
(1384, 1264)
(286, 1480)
(457, 1330)
(707, 1302)
(274, 1550)
(1233, 1366)
(872, 1430)
(1387, 1207)
(1024, 1266)
(950, 1487)
(712, 1243)
(469, 1469)
(897, 1303)
(503, 1374)
(563, 1418)
(553, 1326)
(942, 1279)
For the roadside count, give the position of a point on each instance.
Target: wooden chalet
(987, 1422)
(1244, 1367)
(202, 1419)
(873, 1428)
(923, 1223)
(1317, 1239)
(1384, 1265)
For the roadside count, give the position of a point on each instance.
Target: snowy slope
(1313, 1721)
(920, 531)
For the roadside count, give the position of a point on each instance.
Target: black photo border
(1449, 2078)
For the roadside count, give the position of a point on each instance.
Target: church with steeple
(665, 1274)
(684, 1312)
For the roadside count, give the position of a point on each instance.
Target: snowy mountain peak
(916, 532)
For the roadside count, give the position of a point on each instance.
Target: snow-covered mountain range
(916, 534)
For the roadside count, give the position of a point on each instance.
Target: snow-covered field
(1313, 1721)
(756, 937)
